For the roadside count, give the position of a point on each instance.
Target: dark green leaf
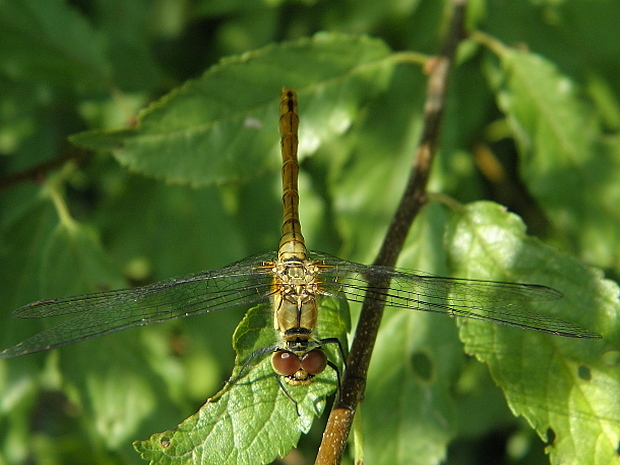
(47, 40)
(223, 126)
(565, 161)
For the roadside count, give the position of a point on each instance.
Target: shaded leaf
(48, 40)
(565, 161)
(75, 248)
(220, 127)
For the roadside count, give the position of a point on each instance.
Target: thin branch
(38, 172)
(354, 381)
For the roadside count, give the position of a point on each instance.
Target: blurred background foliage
(75, 221)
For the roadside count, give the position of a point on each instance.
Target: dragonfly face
(299, 367)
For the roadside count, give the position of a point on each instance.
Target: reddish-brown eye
(314, 362)
(285, 363)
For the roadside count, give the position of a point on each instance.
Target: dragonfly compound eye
(314, 362)
(285, 363)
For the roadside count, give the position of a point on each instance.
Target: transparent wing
(495, 302)
(247, 282)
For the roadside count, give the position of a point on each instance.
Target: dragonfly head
(299, 368)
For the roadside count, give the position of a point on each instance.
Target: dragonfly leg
(253, 355)
(279, 380)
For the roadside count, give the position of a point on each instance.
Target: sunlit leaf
(562, 386)
(252, 419)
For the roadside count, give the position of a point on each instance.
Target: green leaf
(562, 386)
(377, 149)
(220, 127)
(62, 258)
(104, 389)
(107, 381)
(49, 41)
(565, 161)
(23, 237)
(252, 419)
(147, 215)
(128, 29)
(75, 248)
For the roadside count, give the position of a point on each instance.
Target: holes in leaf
(164, 442)
(550, 436)
(584, 373)
(422, 365)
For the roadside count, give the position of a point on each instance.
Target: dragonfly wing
(495, 302)
(243, 283)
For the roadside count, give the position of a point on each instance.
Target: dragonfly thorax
(294, 298)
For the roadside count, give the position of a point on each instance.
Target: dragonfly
(293, 280)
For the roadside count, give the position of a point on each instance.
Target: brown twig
(36, 173)
(341, 417)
